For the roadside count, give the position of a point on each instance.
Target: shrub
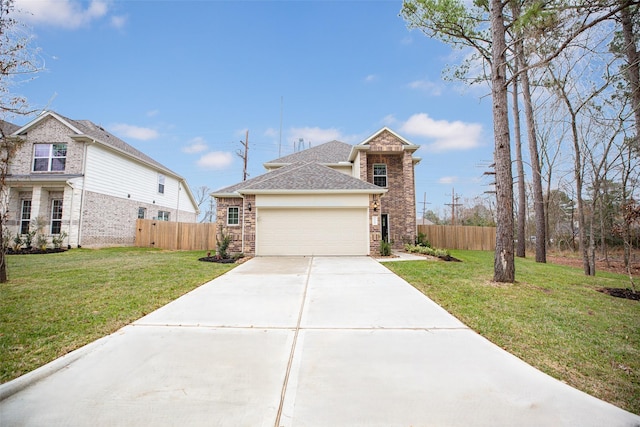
(421, 240)
(17, 242)
(28, 239)
(385, 248)
(427, 251)
(222, 244)
(41, 242)
(59, 239)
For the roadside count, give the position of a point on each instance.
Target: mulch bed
(33, 251)
(218, 260)
(621, 293)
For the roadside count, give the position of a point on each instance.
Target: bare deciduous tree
(17, 64)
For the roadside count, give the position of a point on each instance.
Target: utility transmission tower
(244, 155)
(424, 205)
(454, 203)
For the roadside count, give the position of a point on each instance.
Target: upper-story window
(160, 183)
(49, 157)
(380, 174)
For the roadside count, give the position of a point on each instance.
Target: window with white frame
(160, 183)
(56, 216)
(25, 216)
(49, 157)
(163, 216)
(380, 174)
(142, 213)
(233, 215)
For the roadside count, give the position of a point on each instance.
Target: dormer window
(380, 174)
(49, 157)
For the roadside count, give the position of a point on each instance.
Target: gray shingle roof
(332, 152)
(97, 132)
(8, 128)
(302, 176)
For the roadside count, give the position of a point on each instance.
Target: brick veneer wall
(234, 230)
(111, 221)
(49, 131)
(399, 202)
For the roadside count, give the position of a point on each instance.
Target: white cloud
(196, 145)
(119, 21)
(70, 14)
(215, 160)
(447, 180)
(314, 135)
(427, 86)
(153, 113)
(446, 135)
(370, 78)
(134, 132)
(389, 120)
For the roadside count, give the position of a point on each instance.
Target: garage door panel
(312, 231)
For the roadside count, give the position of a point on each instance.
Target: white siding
(110, 174)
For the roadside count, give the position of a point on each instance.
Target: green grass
(552, 318)
(56, 303)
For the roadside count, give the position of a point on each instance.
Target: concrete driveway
(298, 342)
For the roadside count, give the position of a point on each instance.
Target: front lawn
(552, 317)
(56, 303)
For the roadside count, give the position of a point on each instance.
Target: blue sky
(183, 81)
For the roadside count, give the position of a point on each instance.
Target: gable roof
(8, 128)
(366, 145)
(297, 177)
(86, 130)
(329, 153)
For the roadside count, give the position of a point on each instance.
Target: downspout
(70, 214)
(178, 202)
(82, 195)
(244, 220)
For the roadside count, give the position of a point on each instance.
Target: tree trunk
(633, 61)
(582, 226)
(504, 263)
(522, 200)
(3, 260)
(534, 157)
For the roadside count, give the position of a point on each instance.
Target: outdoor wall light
(249, 206)
(375, 206)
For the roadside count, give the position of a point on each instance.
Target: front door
(385, 227)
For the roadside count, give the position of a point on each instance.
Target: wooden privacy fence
(175, 235)
(460, 237)
(202, 236)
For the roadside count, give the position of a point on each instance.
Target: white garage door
(292, 231)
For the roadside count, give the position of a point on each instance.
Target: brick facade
(89, 218)
(399, 203)
(111, 221)
(246, 221)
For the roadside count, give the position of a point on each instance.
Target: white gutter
(84, 186)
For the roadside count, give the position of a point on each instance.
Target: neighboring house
(85, 182)
(332, 199)
(424, 221)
